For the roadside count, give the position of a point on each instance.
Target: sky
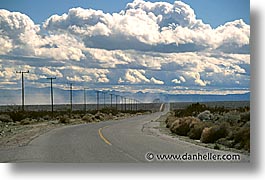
(212, 12)
(170, 47)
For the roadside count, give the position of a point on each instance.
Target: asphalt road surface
(135, 139)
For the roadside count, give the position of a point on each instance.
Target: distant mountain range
(42, 96)
(207, 98)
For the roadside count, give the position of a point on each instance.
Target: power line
(97, 100)
(22, 88)
(111, 100)
(122, 104)
(51, 78)
(71, 97)
(125, 103)
(104, 98)
(116, 101)
(85, 98)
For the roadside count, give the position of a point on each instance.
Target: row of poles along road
(126, 103)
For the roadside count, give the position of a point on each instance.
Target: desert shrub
(247, 124)
(222, 130)
(216, 117)
(207, 135)
(245, 117)
(64, 119)
(242, 138)
(170, 120)
(216, 146)
(182, 125)
(88, 118)
(17, 115)
(211, 134)
(42, 115)
(25, 121)
(108, 116)
(231, 117)
(99, 116)
(76, 116)
(110, 110)
(206, 116)
(46, 117)
(174, 125)
(243, 109)
(5, 118)
(37, 114)
(197, 108)
(219, 109)
(191, 110)
(196, 131)
(225, 142)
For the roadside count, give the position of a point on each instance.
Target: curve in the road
(102, 137)
(127, 140)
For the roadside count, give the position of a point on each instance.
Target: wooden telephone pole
(22, 88)
(51, 78)
(71, 97)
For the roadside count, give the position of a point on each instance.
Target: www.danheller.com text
(192, 157)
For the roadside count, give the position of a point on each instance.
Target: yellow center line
(102, 137)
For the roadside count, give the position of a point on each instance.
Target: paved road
(126, 140)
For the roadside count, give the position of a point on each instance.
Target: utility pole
(111, 100)
(104, 98)
(131, 102)
(51, 78)
(71, 97)
(121, 102)
(22, 88)
(97, 100)
(125, 103)
(85, 99)
(116, 102)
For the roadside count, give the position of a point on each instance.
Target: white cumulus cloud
(149, 26)
(146, 44)
(156, 81)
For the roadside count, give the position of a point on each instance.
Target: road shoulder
(158, 128)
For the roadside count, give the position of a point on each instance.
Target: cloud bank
(159, 47)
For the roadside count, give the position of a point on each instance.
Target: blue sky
(167, 47)
(213, 12)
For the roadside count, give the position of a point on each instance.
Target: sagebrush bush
(109, 110)
(225, 142)
(182, 125)
(245, 116)
(88, 118)
(206, 116)
(25, 121)
(242, 138)
(197, 108)
(196, 131)
(108, 116)
(17, 115)
(191, 110)
(226, 126)
(213, 133)
(170, 120)
(232, 117)
(5, 118)
(64, 119)
(100, 116)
